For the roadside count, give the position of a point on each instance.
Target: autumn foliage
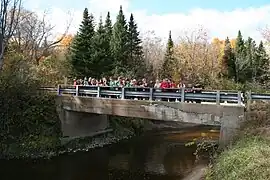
(198, 59)
(66, 41)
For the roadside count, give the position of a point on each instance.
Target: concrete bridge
(81, 116)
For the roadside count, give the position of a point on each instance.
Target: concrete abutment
(81, 124)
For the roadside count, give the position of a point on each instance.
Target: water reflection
(152, 156)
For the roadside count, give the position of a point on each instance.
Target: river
(161, 155)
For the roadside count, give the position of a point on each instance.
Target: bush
(28, 118)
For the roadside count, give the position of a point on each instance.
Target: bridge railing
(151, 94)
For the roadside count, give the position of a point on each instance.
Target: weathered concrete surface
(227, 117)
(81, 124)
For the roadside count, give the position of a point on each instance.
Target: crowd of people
(166, 83)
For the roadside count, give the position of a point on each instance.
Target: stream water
(152, 156)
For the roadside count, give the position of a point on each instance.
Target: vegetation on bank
(29, 122)
(249, 156)
(248, 159)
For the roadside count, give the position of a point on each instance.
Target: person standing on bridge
(164, 86)
(85, 81)
(75, 82)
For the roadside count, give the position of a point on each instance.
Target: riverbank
(249, 156)
(248, 159)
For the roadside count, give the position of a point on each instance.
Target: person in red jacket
(164, 84)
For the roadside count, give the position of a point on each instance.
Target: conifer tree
(228, 60)
(119, 45)
(82, 47)
(262, 63)
(135, 53)
(240, 58)
(167, 66)
(251, 57)
(108, 35)
(108, 26)
(101, 59)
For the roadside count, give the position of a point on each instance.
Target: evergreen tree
(119, 45)
(240, 58)
(108, 26)
(101, 59)
(82, 47)
(167, 66)
(228, 60)
(135, 53)
(251, 67)
(262, 64)
(108, 35)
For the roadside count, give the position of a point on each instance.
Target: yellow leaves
(218, 42)
(199, 61)
(66, 41)
(233, 41)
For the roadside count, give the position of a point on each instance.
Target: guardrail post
(182, 95)
(77, 90)
(218, 97)
(239, 98)
(98, 91)
(249, 99)
(123, 93)
(59, 90)
(151, 94)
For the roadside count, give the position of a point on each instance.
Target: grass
(249, 156)
(248, 159)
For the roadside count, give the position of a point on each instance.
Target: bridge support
(81, 124)
(229, 127)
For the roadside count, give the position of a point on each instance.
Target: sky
(219, 18)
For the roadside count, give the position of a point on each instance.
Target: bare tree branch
(9, 19)
(34, 35)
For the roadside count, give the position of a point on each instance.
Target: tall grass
(249, 157)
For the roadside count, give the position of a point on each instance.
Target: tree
(228, 60)
(241, 63)
(251, 58)
(135, 54)
(153, 50)
(9, 18)
(101, 55)
(31, 36)
(168, 59)
(82, 48)
(119, 44)
(195, 59)
(262, 64)
(108, 35)
(108, 27)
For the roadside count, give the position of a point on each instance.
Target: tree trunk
(2, 49)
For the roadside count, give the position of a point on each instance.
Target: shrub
(28, 117)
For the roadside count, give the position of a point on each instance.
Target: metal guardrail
(152, 94)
